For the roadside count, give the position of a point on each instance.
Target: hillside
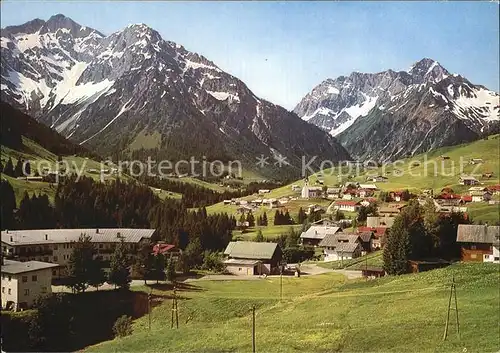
(326, 313)
(415, 178)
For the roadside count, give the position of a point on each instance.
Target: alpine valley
(389, 115)
(132, 93)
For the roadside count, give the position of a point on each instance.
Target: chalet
(428, 192)
(494, 189)
(365, 193)
(333, 193)
(264, 191)
(377, 179)
(366, 241)
(316, 233)
(391, 210)
(349, 195)
(450, 205)
(444, 157)
(163, 248)
(372, 187)
(252, 258)
(477, 241)
(341, 246)
(227, 202)
(296, 187)
(378, 241)
(480, 196)
(368, 201)
(380, 221)
(349, 206)
(314, 208)
(468, 180)
(244, 209)
(396, 195)
(487, 175)
(447, 190)
(476, 161)
(372, 271)
(324, 222)
(477, 188)
(466, 198)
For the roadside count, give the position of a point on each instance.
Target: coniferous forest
(85, 203)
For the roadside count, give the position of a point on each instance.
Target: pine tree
(170, 273)
(25, 214)
(9, 168)
(80, 263)
(143, 266)
(277, 218)
(18, 170)
(7, 205)
(159, 267)
(259, 237)
(264, 219)
(250, 219)
(96, 275)
(119, 274)
(301, 217)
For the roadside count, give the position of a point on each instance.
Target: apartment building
(23, 282)
(56, 245)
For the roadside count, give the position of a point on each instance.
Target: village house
(378, 241)
(477, 188)
(250, 258)
(391, 210)
(348, 206)
(264, 191)
(56, 245)
(341, 246)
(477, 242)
(317, 232)
(476, 161)
(494, 189)
(311, 192)
(333, 193)
(371, 187)
(23, 282)
(377, 179)
(480, 196)
(365, 193)
(296, 187)
(314, 208)
(468, 180)
(349, 194)
(380, 221)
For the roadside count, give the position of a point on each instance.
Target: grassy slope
(325, 313)
(371, 259)
(488, 150)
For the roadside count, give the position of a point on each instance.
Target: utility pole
(453, 293)
(253, 328)
(174, 311)
(281, 282)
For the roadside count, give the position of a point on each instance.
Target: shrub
(123, 326)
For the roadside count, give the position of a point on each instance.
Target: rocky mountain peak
(65, 24)
(428, 70)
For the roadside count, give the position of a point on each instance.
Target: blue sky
(282, 50)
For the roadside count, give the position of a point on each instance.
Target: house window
(34, 278)
(473, 247)
(473, 256)
(55, 246)
(239, 268)
(55, 258)
(10, 291)
(44, 290)
(3, 289)
(26, 292)
(497, 258)
(101, 246)
(25, 279)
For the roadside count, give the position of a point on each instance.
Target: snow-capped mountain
(392, 114)
(132, 91)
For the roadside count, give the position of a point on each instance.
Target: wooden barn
(477, 241)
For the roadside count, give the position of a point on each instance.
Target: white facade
(494, 257)
(21, 289)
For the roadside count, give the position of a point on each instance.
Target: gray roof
(57, 236)
(241, 262)
(365, 236)
(251, 250)
(15, 267)
(334, 240)
(319, 232)
(470, 233)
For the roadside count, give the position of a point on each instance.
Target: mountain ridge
(104, 91)
(425, 98)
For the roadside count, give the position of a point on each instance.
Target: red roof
(467, 198)
(162, 248)
(376, 230)
(371, 199)
(446, 196)
(494, 187)
(346, 203)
